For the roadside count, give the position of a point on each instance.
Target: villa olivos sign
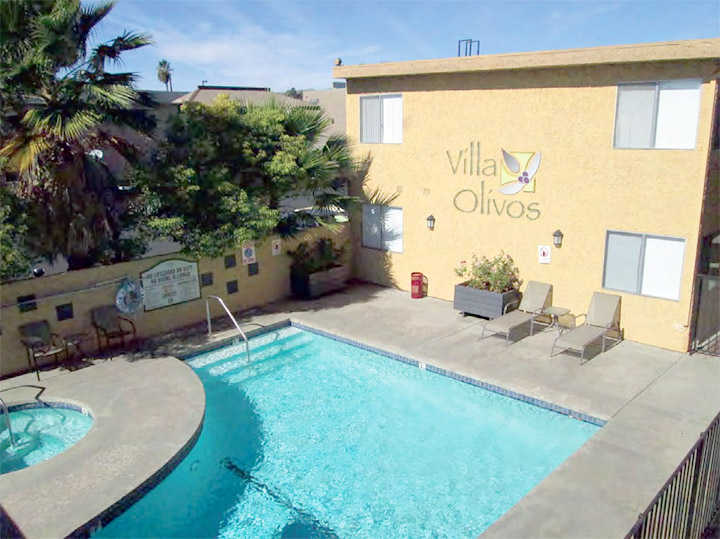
(517, 174)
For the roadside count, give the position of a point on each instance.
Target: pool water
(319, 439)
(40, 433)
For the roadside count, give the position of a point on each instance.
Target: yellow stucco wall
(584, 187)
(271, 284)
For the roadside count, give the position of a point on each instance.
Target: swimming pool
(317, 438)
(40, 431)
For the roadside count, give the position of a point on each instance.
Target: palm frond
(90, 15)
(113, 49)
(308, 121)
(379, 197)
(104, 78)
(114, 95)
(23, 153)
(333, 202)
(61, 124)
(56, 35)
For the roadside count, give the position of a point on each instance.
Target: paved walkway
(656, 402)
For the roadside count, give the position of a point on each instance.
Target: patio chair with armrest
(109, 325)
(39, 341)
(537, 296)
(603, 317)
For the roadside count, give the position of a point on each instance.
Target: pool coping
(580, 416)
(123, 504)
(105, 393)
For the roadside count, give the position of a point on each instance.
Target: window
(657, 114)
(232, 286)
(382, 228)
(64, 312)
(206, 279)
(26, 303)
(381, 119)
(644, 264)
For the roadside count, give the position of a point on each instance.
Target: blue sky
(293, 43)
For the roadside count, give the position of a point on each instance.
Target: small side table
(75, 341)
(555, 313)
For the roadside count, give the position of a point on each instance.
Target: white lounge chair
(537, 296)
(603, 316)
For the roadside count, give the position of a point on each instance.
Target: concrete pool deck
(656, 403)
(64, 495)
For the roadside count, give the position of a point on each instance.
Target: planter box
(313, 285)
(482, 302)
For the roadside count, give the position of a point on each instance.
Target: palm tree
(59, 105)
(164, 73)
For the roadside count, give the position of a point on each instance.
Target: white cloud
(225, 47)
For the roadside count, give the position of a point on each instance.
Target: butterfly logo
(515, 177)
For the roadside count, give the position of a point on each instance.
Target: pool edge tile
(579, 416)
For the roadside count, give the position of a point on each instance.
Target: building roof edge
(696, 49)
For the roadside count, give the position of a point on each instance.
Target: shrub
(498, 274)
(321, 256)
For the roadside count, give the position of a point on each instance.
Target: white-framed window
(381, 119)
(382, 227)
(643, 264)
(661, 115)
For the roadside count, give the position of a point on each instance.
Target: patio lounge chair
(109, 324)
(39, 341)
(603, 316)
(537, 296)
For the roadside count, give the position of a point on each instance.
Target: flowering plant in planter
(499, 274)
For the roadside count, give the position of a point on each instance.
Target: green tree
(164, 73)
(14, 259)
(59, 107)
(228, 170)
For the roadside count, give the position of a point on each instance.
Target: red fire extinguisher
(417, 285)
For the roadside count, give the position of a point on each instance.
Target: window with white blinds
(382, 227)
(381, 119)
(661, 115)
(644, 264)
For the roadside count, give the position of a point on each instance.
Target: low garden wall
(65, 300)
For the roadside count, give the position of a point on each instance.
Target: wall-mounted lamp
(431, 222)
(557, 238)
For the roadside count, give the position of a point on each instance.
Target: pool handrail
(237, 326)
(7, 421)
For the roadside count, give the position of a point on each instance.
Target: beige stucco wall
(271, 284)
(584, 187)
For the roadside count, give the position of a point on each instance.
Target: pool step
(257, 370)
(261, 354)
(236, 350)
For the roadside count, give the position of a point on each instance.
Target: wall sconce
(431, 222)
(557, 238)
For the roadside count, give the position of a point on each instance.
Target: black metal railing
(467, 46)
(690, 499)
(705, 329)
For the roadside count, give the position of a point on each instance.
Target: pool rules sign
(170, 282)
